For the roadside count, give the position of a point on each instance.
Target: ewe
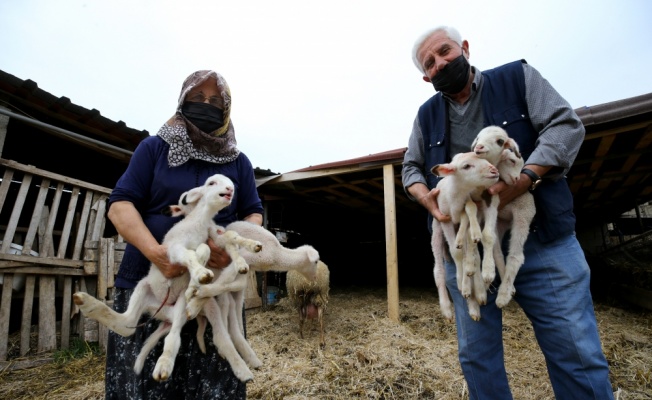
(310, 297)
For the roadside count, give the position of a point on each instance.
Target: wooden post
(390, 242)
(47, 321)
(26, 322)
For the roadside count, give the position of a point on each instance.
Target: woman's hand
(159, 256)
(219, 257)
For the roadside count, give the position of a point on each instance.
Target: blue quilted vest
(503, 102)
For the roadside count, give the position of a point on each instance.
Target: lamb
(272, 257)
(310, 297)
(155, 290)
(494, 145)
(465, 174)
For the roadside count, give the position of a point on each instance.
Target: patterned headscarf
(187, 141)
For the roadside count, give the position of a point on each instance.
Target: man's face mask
(454, 76)
(204, 116)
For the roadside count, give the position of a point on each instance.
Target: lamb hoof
(206, 278)
(162, 370)
(244, 376)
(258, 248)
(78, 298)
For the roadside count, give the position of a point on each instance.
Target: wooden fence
(52, 246)
(51, 228)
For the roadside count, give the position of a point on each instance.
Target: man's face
(437, 51)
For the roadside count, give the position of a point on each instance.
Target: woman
(197, 142)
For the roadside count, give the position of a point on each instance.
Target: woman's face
(206, 92)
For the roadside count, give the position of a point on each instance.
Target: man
(552, 286)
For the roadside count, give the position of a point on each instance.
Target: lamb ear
(512, 145)
(173, 211)
(192, 196)
(442, 169)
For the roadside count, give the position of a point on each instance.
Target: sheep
(465, 174)
(310, 297)
(272, 257)
(162, 297)
(493, 143)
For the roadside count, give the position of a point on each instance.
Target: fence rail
(51, 228)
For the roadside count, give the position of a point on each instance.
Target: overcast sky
(312, 81)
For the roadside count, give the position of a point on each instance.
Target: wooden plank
(24, 364)
(15, 214)
(26, 320)
(81, 326)
(66, 312)
(253, 303)
(98, 225)
(36, 216)
(61, 178)
(62, 262)
(67, 226)
(47, 321)
(37, 270)
(110, 263)
(5, 311)
(81, 229)
(390, 243)
(102, 271)
(54, 210)
(252, 299)
(4, 186)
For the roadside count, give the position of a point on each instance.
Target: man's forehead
(435, 42)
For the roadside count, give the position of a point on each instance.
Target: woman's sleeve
(135, 182)
(248, 201)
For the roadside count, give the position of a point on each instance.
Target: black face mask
(453, 78)
(204, 116)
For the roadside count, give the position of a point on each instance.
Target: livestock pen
(52, 245)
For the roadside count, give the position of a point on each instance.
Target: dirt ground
(367, 356)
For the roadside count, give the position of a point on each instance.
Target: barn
(353, 211)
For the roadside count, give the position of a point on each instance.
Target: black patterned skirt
(195, 375)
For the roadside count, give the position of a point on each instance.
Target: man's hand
(429, 201)
(508, 193)
(219, 257)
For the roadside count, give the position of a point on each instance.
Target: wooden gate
(51, 228)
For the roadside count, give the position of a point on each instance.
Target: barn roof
(611, 174)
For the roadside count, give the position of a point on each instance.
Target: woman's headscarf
(187, 141)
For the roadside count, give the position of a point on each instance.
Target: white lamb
(494, 145)
(164, 298)
(272, 257)
(465, 174)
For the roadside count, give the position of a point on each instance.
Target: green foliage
(78, 349)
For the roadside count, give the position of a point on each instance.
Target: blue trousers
(553, 289)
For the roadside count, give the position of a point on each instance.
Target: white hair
(451, 32)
